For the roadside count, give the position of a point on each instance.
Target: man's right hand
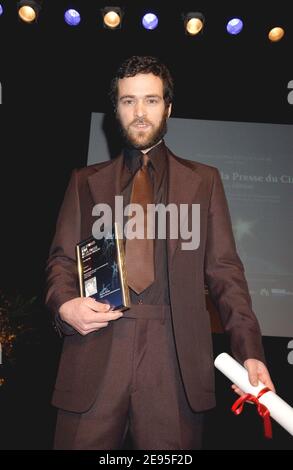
(85, 314)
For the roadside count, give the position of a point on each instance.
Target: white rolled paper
(279, 410)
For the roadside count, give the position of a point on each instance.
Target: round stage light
(276, 34)
(27, 14)
(1, 9)
(194, 26)
(72, 17)
(150, 21)
(112, 19)
(235, 26)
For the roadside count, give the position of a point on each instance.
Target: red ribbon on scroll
(261, 409)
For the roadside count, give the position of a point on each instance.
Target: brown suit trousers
(141, 391)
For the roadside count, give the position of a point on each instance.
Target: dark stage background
(52, 78)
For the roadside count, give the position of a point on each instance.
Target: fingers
(253, 378)
(253, 375)
(266, 380)
(85, 331)
(240, 392)
(252, 366)
(94, 320)
(97, 306)
(237, 390)
(101, 309)
(258, 371)
(93, 317)
(84, 314)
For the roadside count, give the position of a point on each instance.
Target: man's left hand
(256, 371)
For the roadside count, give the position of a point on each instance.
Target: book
(101, 269)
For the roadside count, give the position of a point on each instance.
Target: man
(148, 370)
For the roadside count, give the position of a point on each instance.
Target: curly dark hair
(143, 64)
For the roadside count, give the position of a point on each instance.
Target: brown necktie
(139, 253)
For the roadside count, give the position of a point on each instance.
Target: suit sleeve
(62, 279)
(226, 280)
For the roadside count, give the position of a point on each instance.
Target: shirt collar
(157, 155)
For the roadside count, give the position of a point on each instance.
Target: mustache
(140, 121)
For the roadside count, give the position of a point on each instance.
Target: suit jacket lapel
(183, 184)
(105, 183)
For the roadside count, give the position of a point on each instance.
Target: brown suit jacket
(215, 263)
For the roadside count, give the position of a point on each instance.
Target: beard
(143, 140)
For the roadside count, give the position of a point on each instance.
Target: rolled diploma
(279, 410)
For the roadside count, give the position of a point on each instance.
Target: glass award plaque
(101, 269)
